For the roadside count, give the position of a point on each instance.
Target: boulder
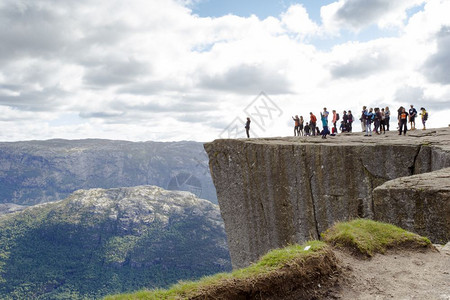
(419, 203)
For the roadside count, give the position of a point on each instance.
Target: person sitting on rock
(307, 129)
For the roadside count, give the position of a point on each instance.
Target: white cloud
(152, 70)
(296, 20)
(358, 14)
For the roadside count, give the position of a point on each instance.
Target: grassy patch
(292, 269)
(369, 237)
(272, 262)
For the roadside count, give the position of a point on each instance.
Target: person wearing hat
(424, 115)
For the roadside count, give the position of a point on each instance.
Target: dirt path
(396, 275)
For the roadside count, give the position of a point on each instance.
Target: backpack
(337, 117)
(425, 117)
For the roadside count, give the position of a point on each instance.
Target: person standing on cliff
(377, 119)
(325, 129)
(350, 121)
(369, 117)
(344, 123)
(403, 121)
(399, 111)
(387, 117)
(296, 125)
(412, 117)
(363, 118)
(312, 123)
(424, 115)
(383, 121)
(325, 114)
(300, 125)
(335, 119)
(247, 127)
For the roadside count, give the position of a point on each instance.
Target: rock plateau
(277, 191)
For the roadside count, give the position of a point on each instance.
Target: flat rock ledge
(277, 191)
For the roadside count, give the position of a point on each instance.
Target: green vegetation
(369, 237)
(65, 251)
(271, 262)
(361, 235)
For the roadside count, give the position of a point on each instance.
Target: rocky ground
(396, 275)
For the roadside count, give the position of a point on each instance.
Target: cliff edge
(277, 191)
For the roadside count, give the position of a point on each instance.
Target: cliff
(33, 172)
(102, 241)
(277, 191)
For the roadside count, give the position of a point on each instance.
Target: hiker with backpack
(335, 119)
(369, 117)
(424, 115)
(363, 118)
(412, 117)
(399, 111)
(312, 123)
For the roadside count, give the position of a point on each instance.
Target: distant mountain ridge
(104, 241)
(33, 172)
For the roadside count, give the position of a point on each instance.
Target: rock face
(277, 191)
(105, 241)
(419, 203)
(7, 208)
(35, 172)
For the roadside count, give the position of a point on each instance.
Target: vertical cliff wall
(277, 191)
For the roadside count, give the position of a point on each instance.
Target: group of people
(312, 128)
(380, 118)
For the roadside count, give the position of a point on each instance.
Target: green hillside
(294, 272)
(100, 242)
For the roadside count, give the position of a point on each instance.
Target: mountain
(104, 241)
(33, 172)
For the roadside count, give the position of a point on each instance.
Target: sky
(171, 70)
